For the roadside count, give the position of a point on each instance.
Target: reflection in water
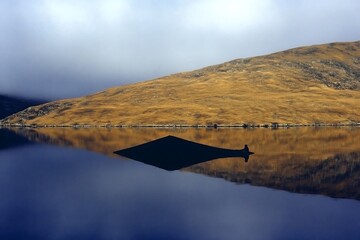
(337, 176)
(49, 192)
(307, 160)
(173, 153)
(9, 139)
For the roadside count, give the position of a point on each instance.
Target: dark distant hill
(10, 105)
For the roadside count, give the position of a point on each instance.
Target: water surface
(67, 184)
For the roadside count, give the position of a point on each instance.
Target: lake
(65, 183)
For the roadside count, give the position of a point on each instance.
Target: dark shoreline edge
(271, 126)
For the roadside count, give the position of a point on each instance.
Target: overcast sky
(67, 48)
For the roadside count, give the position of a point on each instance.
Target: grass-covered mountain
(10, 105)
(316, 84)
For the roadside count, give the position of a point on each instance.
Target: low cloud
(56, 49)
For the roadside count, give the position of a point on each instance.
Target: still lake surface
(62, 183)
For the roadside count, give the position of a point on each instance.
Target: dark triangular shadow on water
(173, 153)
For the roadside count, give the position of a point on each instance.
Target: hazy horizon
(55, 49)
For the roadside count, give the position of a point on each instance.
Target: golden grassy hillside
(316, 84)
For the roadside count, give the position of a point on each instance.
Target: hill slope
(10, 105)
(298, 86)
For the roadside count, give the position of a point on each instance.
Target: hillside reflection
(304, 160)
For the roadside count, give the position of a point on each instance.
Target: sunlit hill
(307, 85)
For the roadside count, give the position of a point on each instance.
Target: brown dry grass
(298, 86)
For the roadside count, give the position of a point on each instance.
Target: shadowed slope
(317, 84)
(173, 153)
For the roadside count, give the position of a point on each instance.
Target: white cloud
(98, 43)
(65, 14)
(230, 15)
(113, 11)
(74, 15)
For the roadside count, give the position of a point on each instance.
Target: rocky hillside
(10, 105)
(307, 85)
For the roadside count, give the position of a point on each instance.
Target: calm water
(67, 184)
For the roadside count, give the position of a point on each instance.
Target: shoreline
(214, 126)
